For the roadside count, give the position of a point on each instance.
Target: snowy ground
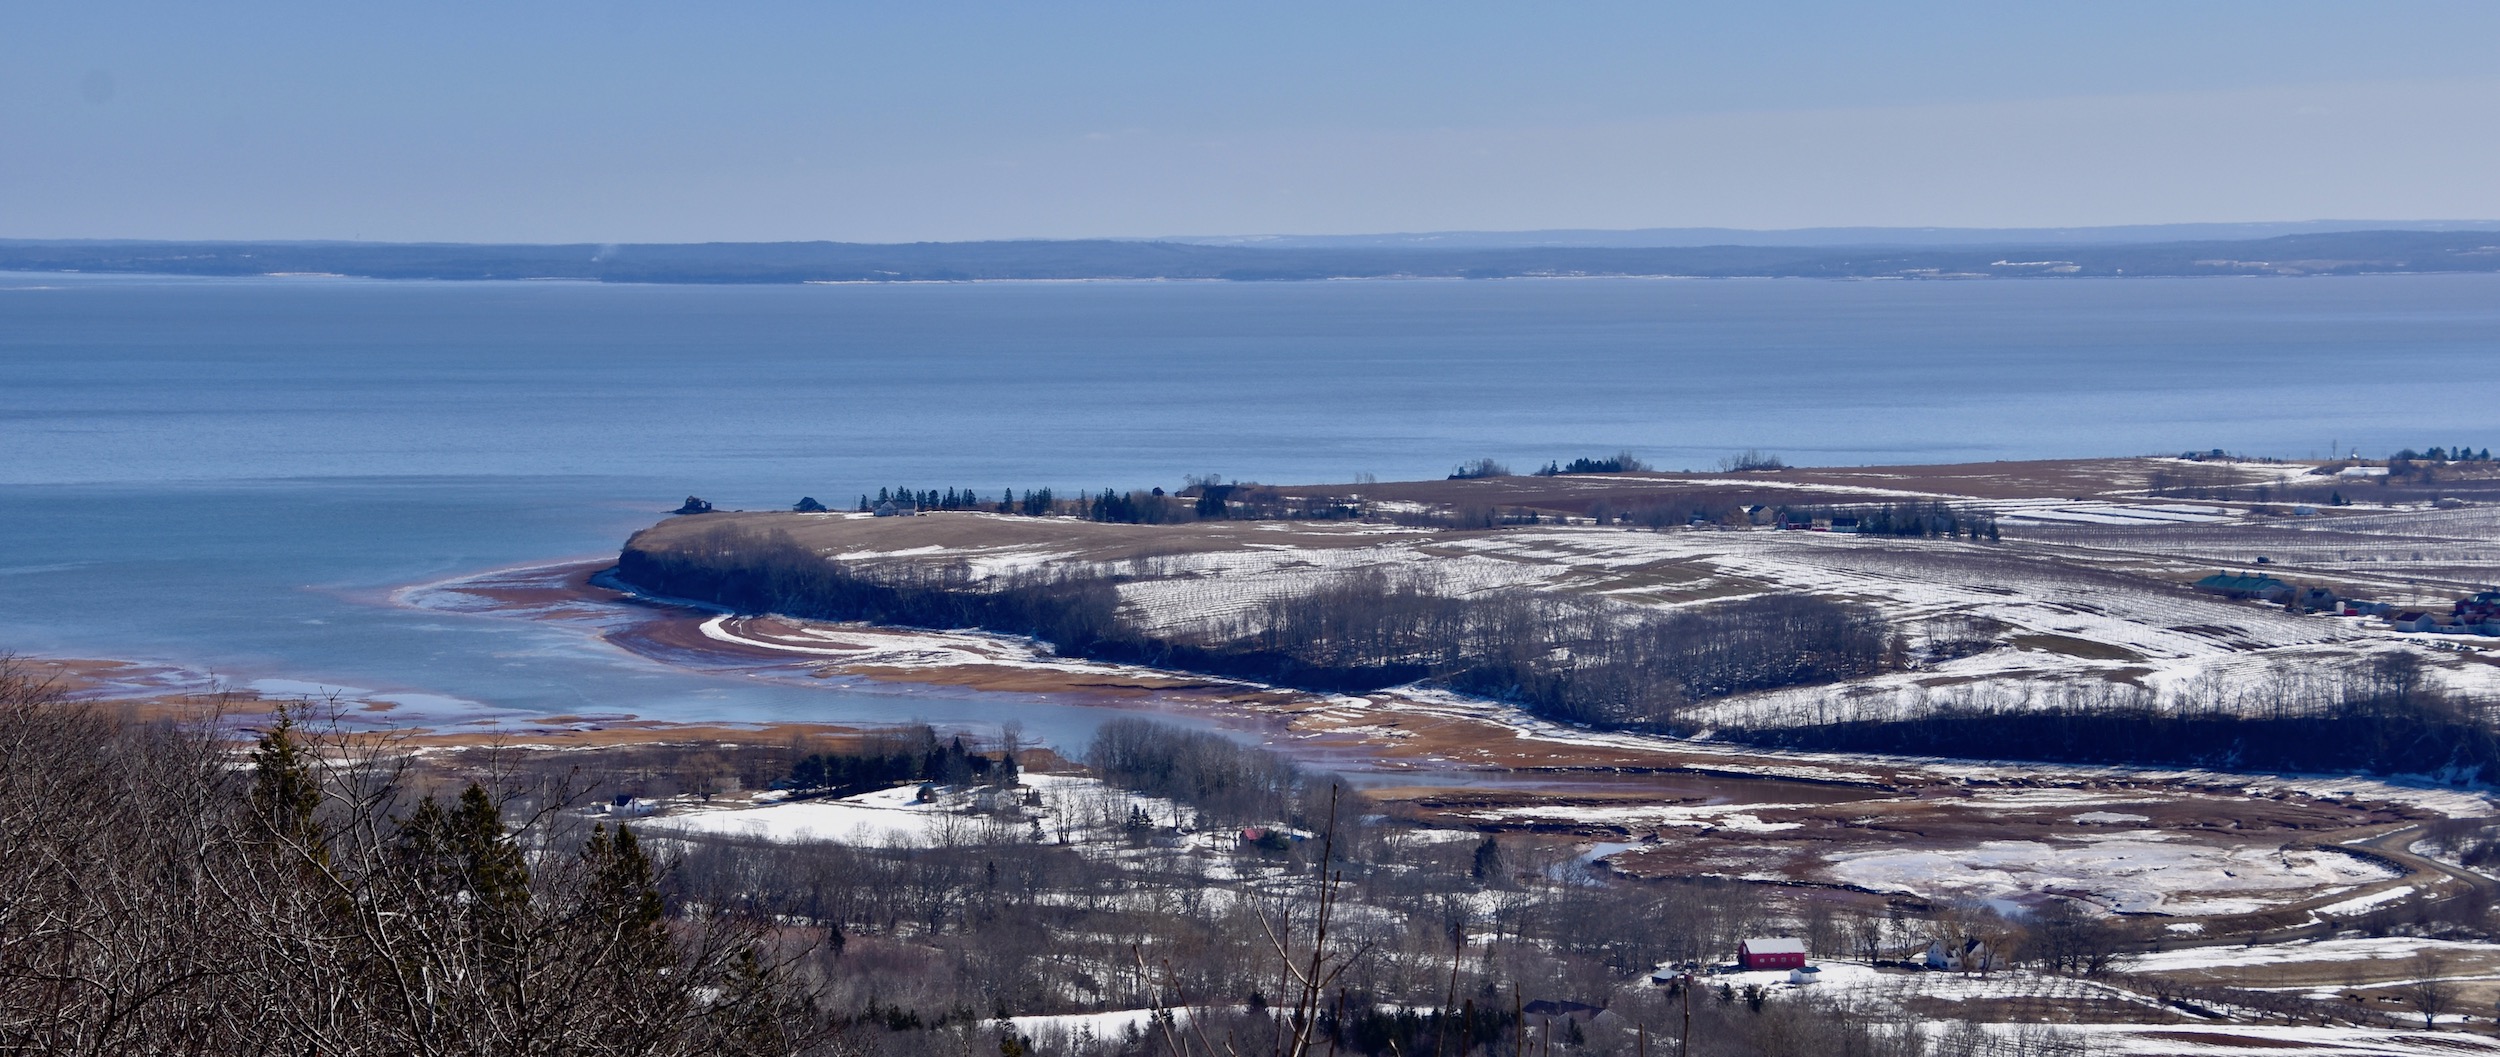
(2146, 872)
(1112, 1025)
(2393, 949)
(1071, 810)
(2267, 1040)
(2160, 1030)
(2099, 600)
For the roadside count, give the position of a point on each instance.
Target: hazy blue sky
(630, 121)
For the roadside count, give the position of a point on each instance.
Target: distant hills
(1897, 253)
(1834, 237)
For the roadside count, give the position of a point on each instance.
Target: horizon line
(1251, 240)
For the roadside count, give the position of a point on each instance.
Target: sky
(626, 121)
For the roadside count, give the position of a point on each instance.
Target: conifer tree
(622, 901)
(286, 790)
(468, 881)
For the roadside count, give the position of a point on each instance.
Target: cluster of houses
(2477, 614)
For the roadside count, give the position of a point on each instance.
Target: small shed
(1772, 952)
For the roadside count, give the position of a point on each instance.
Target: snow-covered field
(891, 816)
(2388, 949)
(1057, 1029)
(1070, 810)
(2142, 872)
(2268, 1040)
(2161, 1032)
(1737, 818)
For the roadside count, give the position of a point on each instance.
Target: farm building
(2230, 585)
(2483, 607)
(1771, 953)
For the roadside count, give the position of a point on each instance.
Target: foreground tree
(155, 899)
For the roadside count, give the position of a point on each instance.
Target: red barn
(1779, 953)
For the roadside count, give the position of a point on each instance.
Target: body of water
(235, 474)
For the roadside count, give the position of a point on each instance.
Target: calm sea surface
(234, 474)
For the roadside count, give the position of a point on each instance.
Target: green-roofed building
(2234, 585)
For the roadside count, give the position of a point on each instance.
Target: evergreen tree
(1488, 864)
(463, 855)
(464, 888)
(756, 1010)
(286, 791)
(622, 901)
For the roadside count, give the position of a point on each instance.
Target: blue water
(232, 474)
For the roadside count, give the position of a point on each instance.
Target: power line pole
(1684, 1046)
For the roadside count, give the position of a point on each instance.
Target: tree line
(886, 759)
(1223, 780)
(1931, 520)
(1619, 462)
(1143, 506)
(2383, 718)
(1035, 502)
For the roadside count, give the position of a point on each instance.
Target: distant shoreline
(558, 280)
(2395, 252)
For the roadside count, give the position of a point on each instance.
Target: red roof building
(1771, 953)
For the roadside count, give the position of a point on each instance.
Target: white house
(1966, 956)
